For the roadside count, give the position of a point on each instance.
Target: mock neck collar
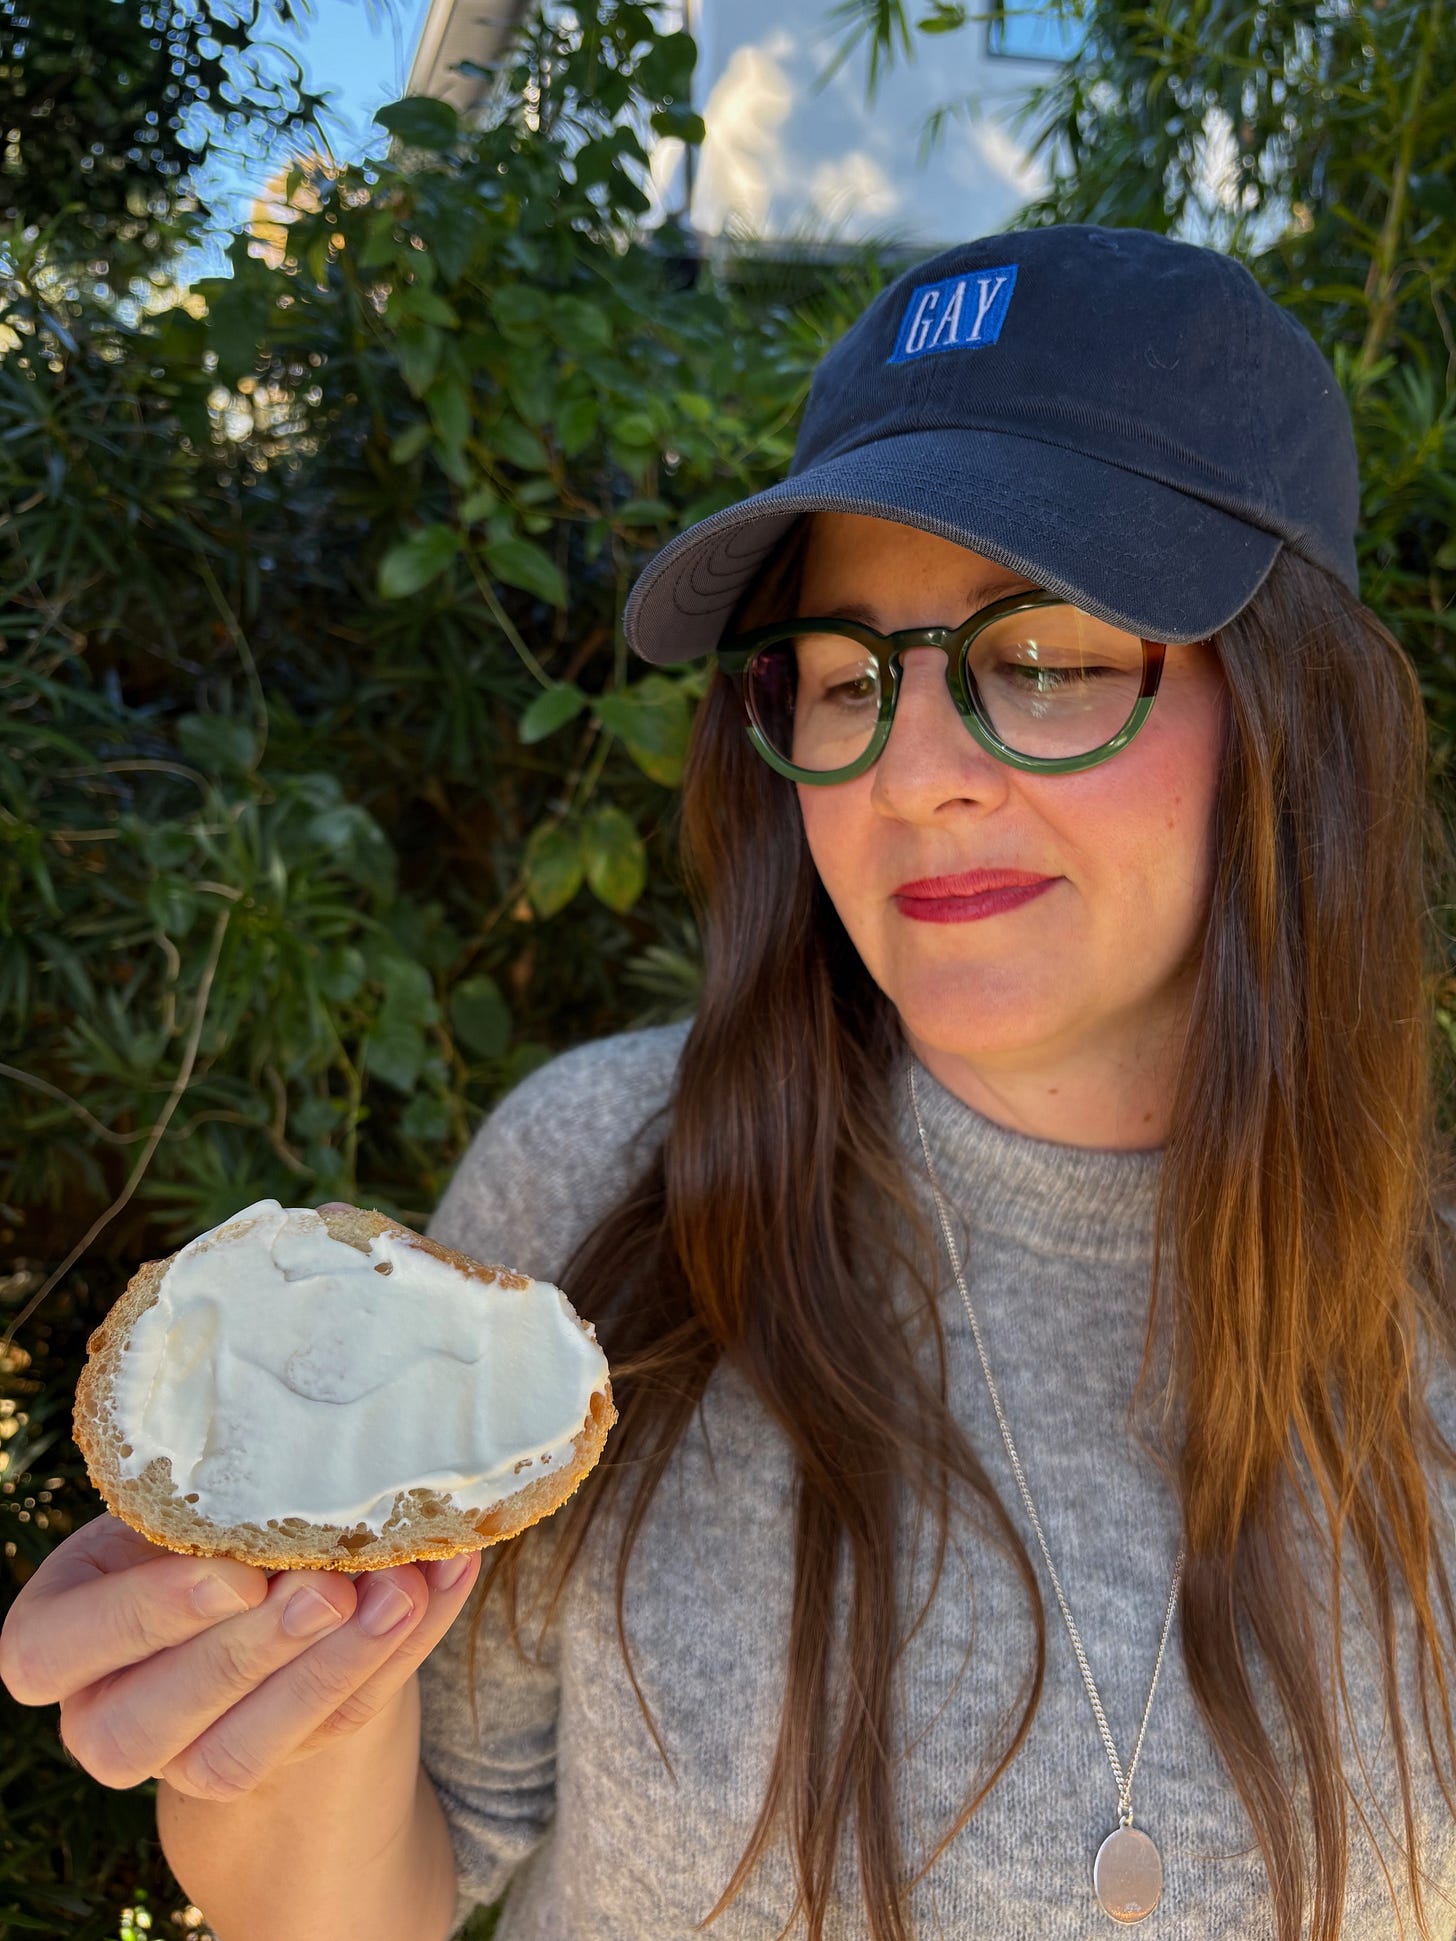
(1090, 1202)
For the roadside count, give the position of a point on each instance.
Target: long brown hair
(1298, 1201)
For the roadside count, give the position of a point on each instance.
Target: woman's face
(1062, 1017)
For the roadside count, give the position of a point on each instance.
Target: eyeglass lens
(1052, 681)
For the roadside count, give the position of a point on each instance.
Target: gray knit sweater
(562, 1803)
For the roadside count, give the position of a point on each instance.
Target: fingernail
(214, 1597)
(307, 1613)
(381, 1608)
(447, 1574)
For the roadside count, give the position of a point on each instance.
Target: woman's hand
(206, 1672)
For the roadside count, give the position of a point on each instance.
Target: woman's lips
(970, 909)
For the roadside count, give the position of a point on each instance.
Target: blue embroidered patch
(959, 313)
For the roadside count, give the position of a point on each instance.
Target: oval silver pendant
(1128, 1874)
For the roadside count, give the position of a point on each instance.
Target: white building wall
(784, 159)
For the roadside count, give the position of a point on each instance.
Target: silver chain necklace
(1127, 1875)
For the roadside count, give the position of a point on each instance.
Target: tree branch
(1383, 278)
(154, 1138)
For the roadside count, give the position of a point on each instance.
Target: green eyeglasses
(1040, 684)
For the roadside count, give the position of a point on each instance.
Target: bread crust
(422, 1523)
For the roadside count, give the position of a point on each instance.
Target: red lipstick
(969, 895)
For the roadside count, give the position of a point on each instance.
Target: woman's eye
(1050, 680)
(861, 687)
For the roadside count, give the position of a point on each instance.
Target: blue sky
(358, 52)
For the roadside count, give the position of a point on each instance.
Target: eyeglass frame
(734, 655)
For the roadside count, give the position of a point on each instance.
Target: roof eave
(455, 31)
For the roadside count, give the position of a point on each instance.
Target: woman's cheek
(836, 838)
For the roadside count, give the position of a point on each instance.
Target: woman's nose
(930, 753)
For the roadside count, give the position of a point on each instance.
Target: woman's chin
(973, 1022)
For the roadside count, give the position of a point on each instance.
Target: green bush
(329, 801)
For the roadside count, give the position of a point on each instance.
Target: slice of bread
(422, 1523)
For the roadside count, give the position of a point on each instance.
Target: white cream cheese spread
(286, 1373)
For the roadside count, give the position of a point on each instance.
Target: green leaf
(68, 965)
(518, 563)
(693, 404)
(408, 990)
(419, 121)
(681, 121)
(552, 708)
(380, 246)
(519, 446)
(634, 428)
(531, 387)
(394, 1051)
(415, 561)
(172, 906)
(519, 310)
(448, 403)
(643, 512)
(579, 325)
(553, 867)
(616, 859)
(317, 259)
(480, 1016)
(653, 720)
(239, 312)
(426, 1118)
(409, 300)
(707, 503)
(480, 504)
(576, 424)
(541, 491)
(354, 842)
(340, 976)
(418, 347)
(453, 223)
(595, 160)
(666, 69)
(165, 845)
(410, 444)
(217, 743)
(453, 463)
(315, 1117)
(395, 1047)
(1434, 195)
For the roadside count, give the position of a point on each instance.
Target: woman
(1131, 1171)
(1128, 1168)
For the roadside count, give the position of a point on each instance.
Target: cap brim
(1123, 546)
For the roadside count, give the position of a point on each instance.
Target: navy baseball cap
(1122, 418)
